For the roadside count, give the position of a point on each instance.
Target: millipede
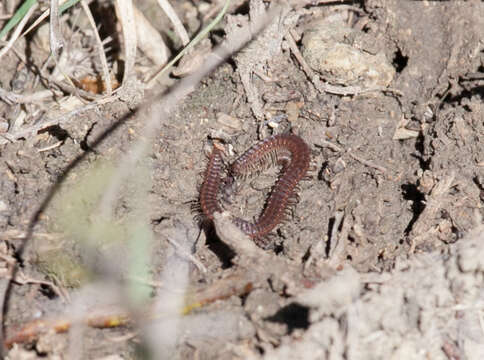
(287, 150)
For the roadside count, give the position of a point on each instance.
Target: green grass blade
(22, 10)
(67, 5)
(15, 19)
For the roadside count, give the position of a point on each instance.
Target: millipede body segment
(287, 150)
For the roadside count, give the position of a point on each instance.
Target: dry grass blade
(64, 4)
(18, 30)
(150, 42)
(12, 98)
(192, 43)
(102, 55)
(125, 12)
(177, 24)
(55, 35)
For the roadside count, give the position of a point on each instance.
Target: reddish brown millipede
(287, 150)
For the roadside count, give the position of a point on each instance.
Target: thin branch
(182, 252)
(368, 163)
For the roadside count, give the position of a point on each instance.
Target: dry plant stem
(330, 145)
(18, 30)
(12, 98)
(22, 279)
(140, 280)
(39, 20)
(297, 54)
(102, 55)
(53, 146)
(236, 284)
(177, 24)
(125, 12)
(187, 255)
(32, 330)
(367, 163)
(55, 35)
(197, 39)
(150, 42)
(21, 235)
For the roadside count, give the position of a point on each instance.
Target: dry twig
(367, 163)
(187, 255)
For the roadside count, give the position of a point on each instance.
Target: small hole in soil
(47, 291)
(400, 61)
(295, 316)
(420, 146)
(278, 248)
(411, 192)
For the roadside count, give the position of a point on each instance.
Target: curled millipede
(287, 150)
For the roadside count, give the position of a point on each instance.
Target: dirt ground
(379, 259)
